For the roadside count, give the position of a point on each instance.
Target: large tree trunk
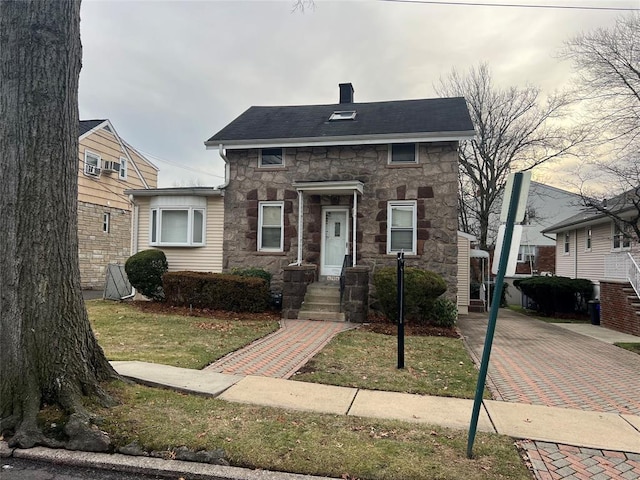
(48, 353)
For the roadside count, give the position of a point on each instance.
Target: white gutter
(227, 169)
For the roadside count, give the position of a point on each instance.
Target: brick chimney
(346, 93)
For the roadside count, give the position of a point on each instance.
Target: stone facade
(432, 183)
(355, 297)
(97, 248)
(294, 288)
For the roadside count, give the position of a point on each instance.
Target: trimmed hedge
(557, 294)
(145, 270)
(253, 272)
(421, 288)
(444, 313)
(216, 291)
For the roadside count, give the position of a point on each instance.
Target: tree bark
(48, 353)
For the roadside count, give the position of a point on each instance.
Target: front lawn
(632, 347)
(433, 365)
(307, 443)
(131, 331)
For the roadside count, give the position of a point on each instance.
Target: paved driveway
(541, 364)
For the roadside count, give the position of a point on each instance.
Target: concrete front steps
(476, 306)
(322, 302)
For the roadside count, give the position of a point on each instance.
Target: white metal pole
(355, 220)
(300, 225)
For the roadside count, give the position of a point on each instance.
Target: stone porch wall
(96, 248)
(432, 183)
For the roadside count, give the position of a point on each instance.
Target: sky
(170, 74)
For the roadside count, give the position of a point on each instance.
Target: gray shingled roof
(618, 204)
(447, 116)
(86, 125)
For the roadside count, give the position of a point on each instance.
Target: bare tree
(48, 353)
(516, 130)
(607, 62)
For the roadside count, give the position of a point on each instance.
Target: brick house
(312, 188)
(592, 245)
(107, 165)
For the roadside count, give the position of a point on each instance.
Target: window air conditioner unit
(92, 170)
(110, 166)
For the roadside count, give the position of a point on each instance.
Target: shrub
(253, 272)
(556, 294)
(145, 270)
(444, 313)
(216, 291)
(421, 288)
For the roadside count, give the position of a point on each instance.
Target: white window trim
(98, 165)
(615, 232)
(260, 165)
(124, 166)
(389, 155)
(189, 243)
(588, 239)
(260, 217)
(403, 203)
(106, 222)
(566, 244)
(524, 257)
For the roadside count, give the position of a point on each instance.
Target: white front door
(335, 238)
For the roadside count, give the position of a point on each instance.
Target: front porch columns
(300, 225)
(355, 220)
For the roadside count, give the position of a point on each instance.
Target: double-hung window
(401, 227)
(403, 153)
(270, 226)
(620, 239)
(526, 253)
(567, 239)
(587, 239)
(271, 157)
(122, 173)
(92, 163)
(178, 222)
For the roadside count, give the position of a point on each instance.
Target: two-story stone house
(308, 186)
(107, 165)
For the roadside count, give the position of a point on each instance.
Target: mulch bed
(378, 323)
(163, 308)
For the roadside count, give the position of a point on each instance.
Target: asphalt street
(21, 469)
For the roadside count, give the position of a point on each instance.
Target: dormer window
(342, 115)
(271, 157)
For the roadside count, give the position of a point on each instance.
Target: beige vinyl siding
(108, 188)
(565, 263)
(197, 259)
(464, 275)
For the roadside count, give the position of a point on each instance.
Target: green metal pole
(493, 315)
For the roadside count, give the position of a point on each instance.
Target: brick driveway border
(283, 352)
(539, 363)
(550, 461)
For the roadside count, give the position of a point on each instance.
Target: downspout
(134, 240)
(227, 169)
(575, 255)
(300, 226)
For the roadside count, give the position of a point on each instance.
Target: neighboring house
(107, 166)
(314, 187)
(185, 223)
(592, 245)
(546, 206)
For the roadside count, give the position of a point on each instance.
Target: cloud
(171, 74)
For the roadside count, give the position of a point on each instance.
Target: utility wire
(177, 165)
(516, 5)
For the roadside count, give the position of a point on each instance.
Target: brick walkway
(538, 363)
(282, 353)
(553, 461)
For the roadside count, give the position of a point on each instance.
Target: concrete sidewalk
(596, 430)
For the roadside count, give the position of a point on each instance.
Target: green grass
(632, 347)
(433, 365)
(306, 443)
(128, 333)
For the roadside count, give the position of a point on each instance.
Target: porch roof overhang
(338, 187)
